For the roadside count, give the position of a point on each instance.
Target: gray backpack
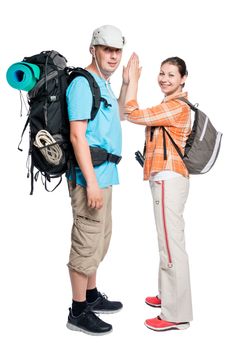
(202, 146)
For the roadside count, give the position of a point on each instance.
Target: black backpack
(50, 150)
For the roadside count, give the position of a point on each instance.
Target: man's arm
(83, 157)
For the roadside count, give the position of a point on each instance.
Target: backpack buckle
(113, 158)
(52, 98)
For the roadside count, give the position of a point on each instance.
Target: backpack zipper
(170, 264)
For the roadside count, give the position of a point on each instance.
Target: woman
(169, 181)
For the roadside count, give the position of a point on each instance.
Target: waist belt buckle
(114, 158)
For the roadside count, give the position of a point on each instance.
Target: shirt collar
(174, 96)
(99, 79)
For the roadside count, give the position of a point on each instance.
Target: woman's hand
(134, 71)
(125, 74)
(124, 87)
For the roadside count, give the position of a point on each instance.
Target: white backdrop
(35, 230)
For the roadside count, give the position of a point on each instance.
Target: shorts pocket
(86, 235)
(88, 225)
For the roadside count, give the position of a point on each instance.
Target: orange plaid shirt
(174, 115)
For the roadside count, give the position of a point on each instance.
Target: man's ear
(92, 50)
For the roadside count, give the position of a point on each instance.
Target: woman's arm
(134, 76)
(165, 114)
(123, 90)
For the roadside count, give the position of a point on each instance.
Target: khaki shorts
(91, 231)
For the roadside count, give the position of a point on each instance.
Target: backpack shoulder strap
(173, 142)
(95, 90)
(192, 106)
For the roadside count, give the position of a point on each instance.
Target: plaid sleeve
(164, 114)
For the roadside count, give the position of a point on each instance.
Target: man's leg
(99, 301)
(80, 284)
(83, 290)
(92, 281)
(87, 233)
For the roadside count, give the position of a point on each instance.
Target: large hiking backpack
(203, 144)
(50, 150)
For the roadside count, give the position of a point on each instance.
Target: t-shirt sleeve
(79, 99)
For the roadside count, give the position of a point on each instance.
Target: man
(91, 197)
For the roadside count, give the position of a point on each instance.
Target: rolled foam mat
(23, 76)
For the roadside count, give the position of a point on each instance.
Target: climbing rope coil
(49, 147)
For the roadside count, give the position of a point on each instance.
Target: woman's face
(170, 80)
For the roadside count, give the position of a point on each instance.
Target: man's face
(108, 58)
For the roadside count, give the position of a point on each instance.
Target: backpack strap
(95, 90)
(193, 107)
(164, 144)
(164, 130)
(48, 179)
(173, 142)
(22, 134)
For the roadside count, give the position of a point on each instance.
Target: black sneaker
(105, 306)
(88, 322)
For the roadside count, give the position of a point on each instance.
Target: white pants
(169, 198)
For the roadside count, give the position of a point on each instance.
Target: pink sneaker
(161, 325)
(153, 301)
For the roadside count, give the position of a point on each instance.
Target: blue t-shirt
(104, 131)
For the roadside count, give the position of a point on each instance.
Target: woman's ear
(183, 80)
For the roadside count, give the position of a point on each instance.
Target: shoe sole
(78, 329)
(175, 327)
(153, 305)
(106, 311)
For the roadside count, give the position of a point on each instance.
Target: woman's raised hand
(132, 63)
(134, 69)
